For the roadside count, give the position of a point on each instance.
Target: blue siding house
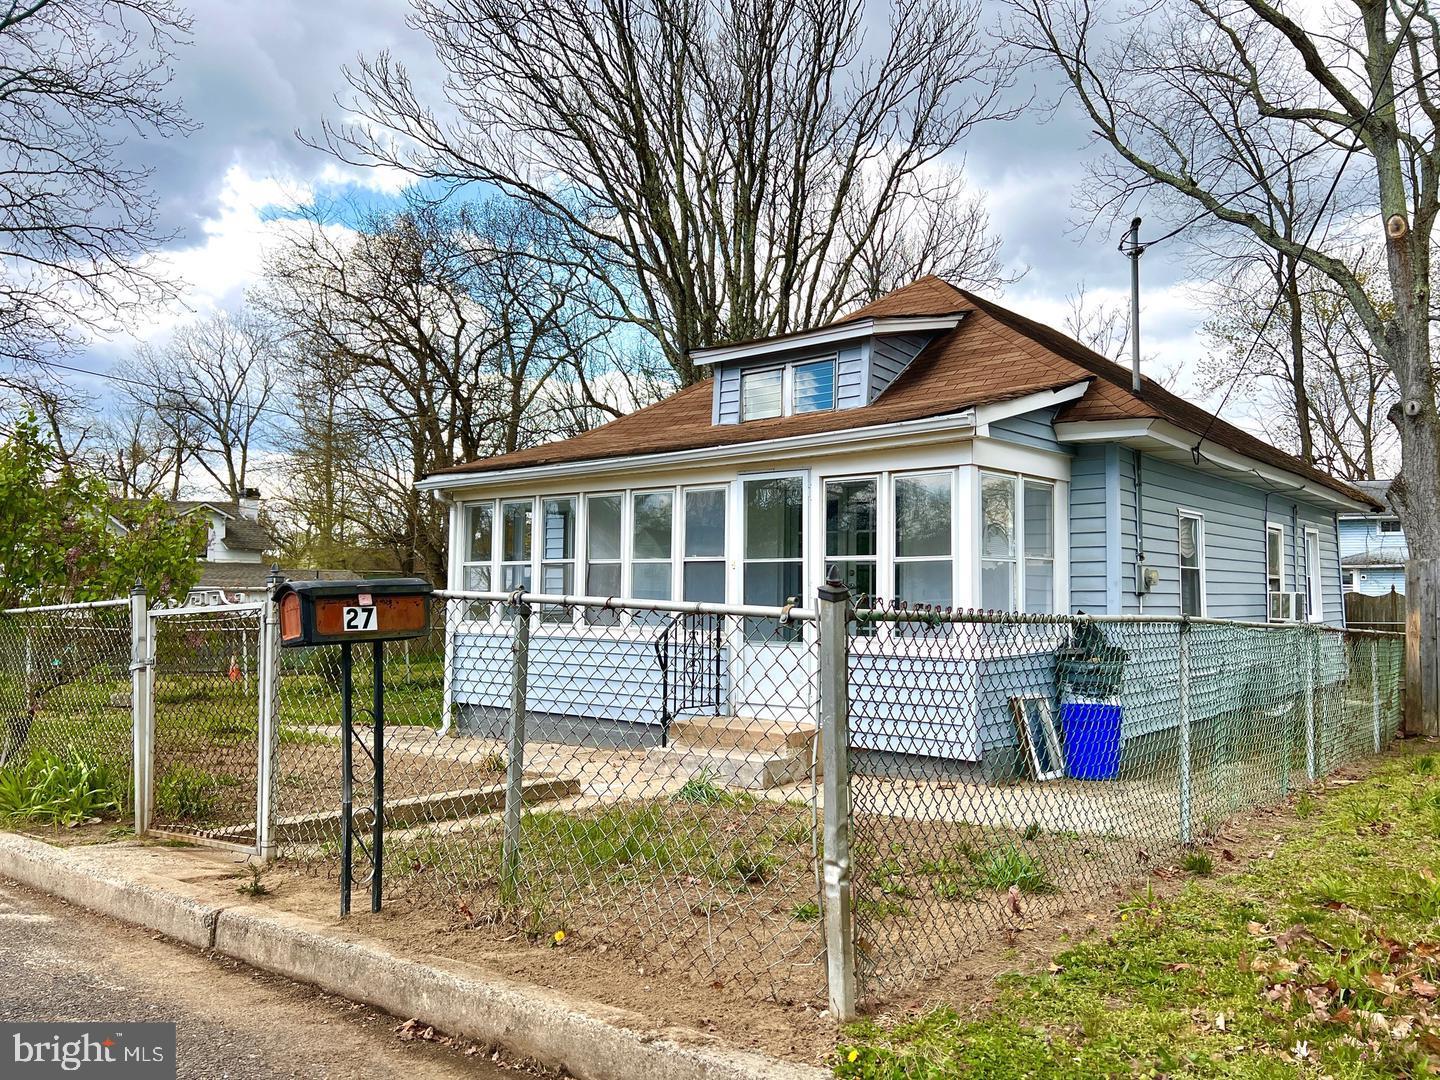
(936, 448)
(1373, 551)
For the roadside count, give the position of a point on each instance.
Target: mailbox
(339, 612)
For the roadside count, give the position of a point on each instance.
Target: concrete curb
(55, 871)
(586, 1039)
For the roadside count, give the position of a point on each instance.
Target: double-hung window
(1017, 544)
(652, 547)
(851, 532)
(774, 548)
(479, 547)
(1192, 564)
(924, 535)
(517, 521)
(1274, 567)
(557, 552)
(1314, 590)
(603, 553)
(703, 574)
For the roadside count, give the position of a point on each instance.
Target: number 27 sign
(358, 619)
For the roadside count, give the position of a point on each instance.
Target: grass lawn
(1319, 962)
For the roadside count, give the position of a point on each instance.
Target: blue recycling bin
(1092, 738)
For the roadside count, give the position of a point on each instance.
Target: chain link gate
(208, 774)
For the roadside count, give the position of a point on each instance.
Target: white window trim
(787, 385)
(462, 540)
(896, 559)
(1059, 591)
(498, 574)
(1274, 527)
(681, 558)
(1314, 578)
(880, 517)
(807, 527)
(1199, 518)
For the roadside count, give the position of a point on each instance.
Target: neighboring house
(938, 449)
(1373, 551)
(233, 568)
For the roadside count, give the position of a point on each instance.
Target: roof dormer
(842, 366)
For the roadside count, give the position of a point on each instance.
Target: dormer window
(762, 393)
(814, 386)
(804, 387)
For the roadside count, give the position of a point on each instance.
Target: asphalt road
(63, 963)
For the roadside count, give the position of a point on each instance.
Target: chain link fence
(645, 777)
(206, 702)
(1004, 768)
(65, 711)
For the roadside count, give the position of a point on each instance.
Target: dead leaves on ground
(1394, 1004)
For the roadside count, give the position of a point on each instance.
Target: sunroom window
(997, 542)
(479, 547)
(774, 546)
(602, 554)
(557, 552)
(703, 576)
(924, 568)
(516, 524)
(851, 530)
(1017, 544)
(652, 516)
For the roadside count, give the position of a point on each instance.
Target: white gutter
(1175, 437)
(849, 440)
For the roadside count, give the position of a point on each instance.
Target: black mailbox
(337, 612)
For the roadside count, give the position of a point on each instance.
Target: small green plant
(1032, 831)
(187, 793)
(1197, 862)
(1425, 764)
(1304, 805)
(702, 789)
(1002, 867)
(753, 867)
(949, 888)
(808, 911)
(493, 762)
(254, 887)
(54, 789)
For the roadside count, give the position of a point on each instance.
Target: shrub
(55, 789)
(1003, 867)
(187, 793)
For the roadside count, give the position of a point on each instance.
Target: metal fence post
(1309, 705)
(1375, 690)
(142, 705)
(268, 661)
(835, 750)
(1186, 812)
(515, 766)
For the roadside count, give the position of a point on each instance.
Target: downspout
(1139, 528)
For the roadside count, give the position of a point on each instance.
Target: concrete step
(741, 733)
(755, 771)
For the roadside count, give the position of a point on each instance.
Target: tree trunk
(1297, 365)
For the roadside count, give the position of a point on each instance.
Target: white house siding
(850, 377)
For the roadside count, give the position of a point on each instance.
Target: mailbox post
(345, 613)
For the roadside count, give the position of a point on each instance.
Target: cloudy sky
(254, 74)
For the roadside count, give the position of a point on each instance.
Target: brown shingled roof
(993, 355)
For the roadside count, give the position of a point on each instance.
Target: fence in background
(1383, 612)
(780, 799)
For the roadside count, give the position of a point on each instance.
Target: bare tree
(454, 329)
(211, 387)
(1346, 389)
(134, 453)
(728, 170)
(1097, 325)
(77, 219)
(1166, 87)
